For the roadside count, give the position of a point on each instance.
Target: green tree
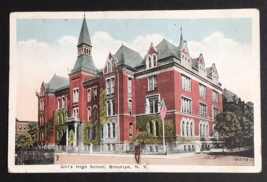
(33, 132)
(247, 123)
(72, 137)
(227, 126)
(20, 141)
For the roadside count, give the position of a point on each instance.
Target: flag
(163, 110)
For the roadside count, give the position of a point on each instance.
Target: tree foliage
(151, 130)
(49, 130)
(227, 124)
(72, 137)
(103, 107)
(27, 141)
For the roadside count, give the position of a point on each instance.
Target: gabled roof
(166, 49)
(128, 57)
(84, 37)
(85, 62)
(56, 82)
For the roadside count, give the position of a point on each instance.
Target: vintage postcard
(137, 91)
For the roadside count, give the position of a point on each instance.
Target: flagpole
(164, 148)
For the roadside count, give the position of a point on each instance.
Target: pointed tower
(181, 38)
(84, 43)
(84, 61)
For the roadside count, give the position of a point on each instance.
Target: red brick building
(135, 86)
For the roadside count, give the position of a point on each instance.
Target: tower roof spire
(84, 37)
(181, 37)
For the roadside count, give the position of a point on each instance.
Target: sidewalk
(215, 159)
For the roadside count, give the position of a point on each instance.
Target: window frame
(154, 82)
(183, 104)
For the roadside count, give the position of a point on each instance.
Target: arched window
(203, 130)
(102, 132)
(95, 113)
(108, 130)
(113, 129)
(109, 109)
(200, 130)
(151, 128)
(154, 60)
(157, 128)
(89, 52)
(84, 50)
(130, 129)
(187, 133)
(191, 129)
(183, 128)
(149, 62)
(109, 67)
(207, 131)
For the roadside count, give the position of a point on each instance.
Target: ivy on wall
(151, 130)
(60, 118)
(88, 136)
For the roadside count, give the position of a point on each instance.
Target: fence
(149, 149)
(39, 156)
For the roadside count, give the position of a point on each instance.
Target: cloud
(103, 43)
(39, 61)
(232, 59)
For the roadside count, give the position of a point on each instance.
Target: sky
(49, 46)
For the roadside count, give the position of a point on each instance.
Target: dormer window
(149, 62)
(109, 67)
(154, 60)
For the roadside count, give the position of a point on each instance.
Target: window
(63, 102)
(202, 91)
(113, 107)
(186, 105)
(75, 112)
(153, 104)
(215, 96)
(95, 93)
(113, 129)
(95, 114)
(108, 125)
(154, 60)
(89, 113)
(130, 129)
(200, 130)
(152, 83)
(202, 110)
(215, 112)
(130, 106)
(108, 108)
(109, 67)
(75, 95)
(20, 127)
(187, 132)
(129, 85)
(112, 85)
(191, 129)
(183, 128)
(108, 82)
(186, 83)
(89, 95)
(149, 62)
(58, 103)
(93, 133)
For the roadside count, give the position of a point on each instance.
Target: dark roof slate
(195, 63)
(166, 49)
(84, 35)
(230, 96)
(56, 82)
(128, 57)
(85, 62)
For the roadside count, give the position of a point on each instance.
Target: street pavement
(229, 158)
